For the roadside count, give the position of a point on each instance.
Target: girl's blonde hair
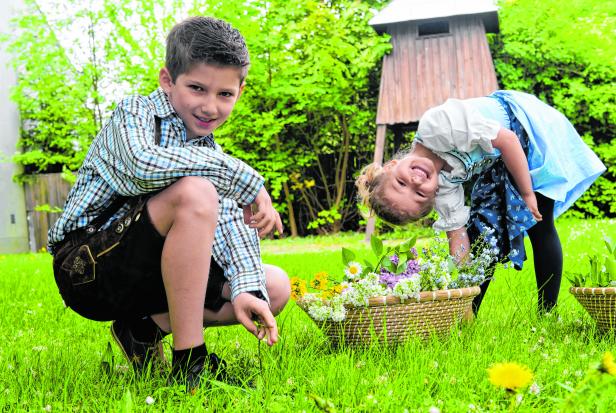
(370, 188)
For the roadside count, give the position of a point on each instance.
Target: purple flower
(394, 259)
(412, 267)
(414, 252)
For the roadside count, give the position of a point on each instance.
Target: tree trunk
(290, 211)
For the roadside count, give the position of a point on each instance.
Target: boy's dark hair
(208, 40)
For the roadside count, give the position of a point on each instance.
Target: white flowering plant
(401, 271)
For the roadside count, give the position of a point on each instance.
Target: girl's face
(410, 184)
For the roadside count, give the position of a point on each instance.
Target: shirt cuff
(252, 287)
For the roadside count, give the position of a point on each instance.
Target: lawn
(52, 359)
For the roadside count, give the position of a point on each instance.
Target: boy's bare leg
(278, 289)
(186, 214)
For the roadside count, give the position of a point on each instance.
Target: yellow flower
(511, 376)
(338, 288)
(320, 281)
(327, 294)
(298, 288)
(607, 364)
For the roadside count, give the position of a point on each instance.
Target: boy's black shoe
(199, 371)
(139, 353)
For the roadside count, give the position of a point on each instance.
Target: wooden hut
(439, 51)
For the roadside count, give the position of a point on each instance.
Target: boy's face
(203, 97)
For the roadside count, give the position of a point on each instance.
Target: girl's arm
(459, 245)
(515, 160)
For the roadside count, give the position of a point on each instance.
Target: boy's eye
(196, 88)
(226, 94)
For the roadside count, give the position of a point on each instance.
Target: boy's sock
(188, 364)
(146, 330)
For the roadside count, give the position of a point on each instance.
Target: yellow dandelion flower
(607, 364)
(511, 376)
(298, 288)
(321, 275)
(320, 281)
(338, 288)
(327, 294)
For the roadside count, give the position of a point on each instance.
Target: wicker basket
(387, 320)
(600, 304)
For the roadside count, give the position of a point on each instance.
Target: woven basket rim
(592, 290)
(424, 296)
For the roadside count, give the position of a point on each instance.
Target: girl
(527, 164)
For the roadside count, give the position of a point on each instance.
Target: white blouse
(459, 133)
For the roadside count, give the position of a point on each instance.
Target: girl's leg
(479, 298)
(548, 255)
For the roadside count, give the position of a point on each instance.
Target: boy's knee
(196, 195)
(278, 287)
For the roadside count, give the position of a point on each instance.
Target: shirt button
(120, 228)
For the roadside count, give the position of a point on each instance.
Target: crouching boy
(157, 233)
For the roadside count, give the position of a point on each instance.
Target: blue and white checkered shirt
(124, 160)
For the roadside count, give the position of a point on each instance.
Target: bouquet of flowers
(401, 271)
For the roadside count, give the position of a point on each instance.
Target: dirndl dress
(561, 166)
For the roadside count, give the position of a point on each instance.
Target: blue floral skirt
(497, 205)
(561, 167)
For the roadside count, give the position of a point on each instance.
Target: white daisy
(353, 270)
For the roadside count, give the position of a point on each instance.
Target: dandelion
(353, 270)
(298, 288)
(320, 281)
(511, 376)
(607, 364)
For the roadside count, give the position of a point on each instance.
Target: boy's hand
(247, 308)
(266, 218)
(531, 202)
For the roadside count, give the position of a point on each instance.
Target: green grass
(50, 358)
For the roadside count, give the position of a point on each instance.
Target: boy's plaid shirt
(125, 160)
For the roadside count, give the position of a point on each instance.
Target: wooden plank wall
(43, 189)
(423, 72)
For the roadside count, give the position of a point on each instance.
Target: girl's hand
(265, 218)
(531, 203)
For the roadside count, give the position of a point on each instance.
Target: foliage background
(306, 119)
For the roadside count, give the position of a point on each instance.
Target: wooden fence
(47, 192)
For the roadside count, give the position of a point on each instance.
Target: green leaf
(408, 244)
(610, 268)
(368, 266)
(347, 256)
(377, 245)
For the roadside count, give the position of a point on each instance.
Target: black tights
(548, 258)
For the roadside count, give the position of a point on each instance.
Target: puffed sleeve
(456, 124)
(452, 212)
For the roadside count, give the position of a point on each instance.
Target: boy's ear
(241, 89)
(164, 79)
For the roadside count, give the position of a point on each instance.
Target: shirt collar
(163, 109)
(161, 102)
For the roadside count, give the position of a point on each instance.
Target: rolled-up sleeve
(453, 213)
(237, 251)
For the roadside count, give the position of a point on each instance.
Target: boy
(156, 199)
